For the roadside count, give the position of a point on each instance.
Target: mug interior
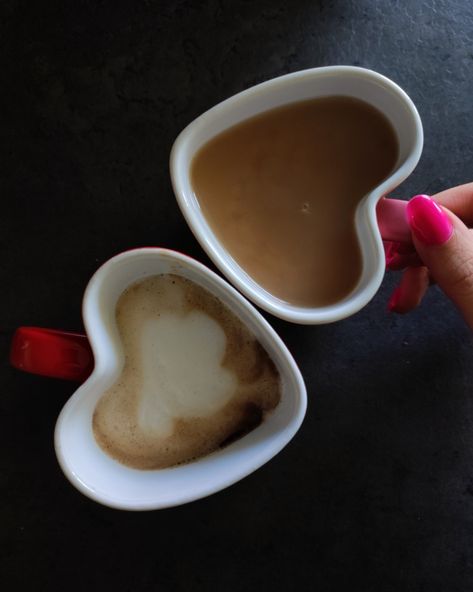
(319, 82)
(100, 477)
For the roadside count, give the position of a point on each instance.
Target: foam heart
(183, 373)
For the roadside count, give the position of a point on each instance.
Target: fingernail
(393, 302)
(428, 221)
(394, 263)
(390, 251)
(400, 256)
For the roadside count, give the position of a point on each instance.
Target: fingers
(400, 255)
(445, 245)
(412, 288)
(458, 200)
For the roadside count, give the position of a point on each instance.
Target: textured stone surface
(376, 491)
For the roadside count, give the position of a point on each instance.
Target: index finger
(458, 200)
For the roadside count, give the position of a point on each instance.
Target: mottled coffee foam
(123, 421)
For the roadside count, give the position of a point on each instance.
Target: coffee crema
(194, 378)
(280, 191)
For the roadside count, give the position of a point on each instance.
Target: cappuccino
(194, 377)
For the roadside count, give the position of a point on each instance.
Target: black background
(375, 493)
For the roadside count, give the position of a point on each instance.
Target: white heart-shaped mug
(82, 460)
(359, 83)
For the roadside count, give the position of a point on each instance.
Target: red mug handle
(48, 352)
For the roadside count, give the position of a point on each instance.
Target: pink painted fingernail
(428, 221)
(390, 251)
(394, 300)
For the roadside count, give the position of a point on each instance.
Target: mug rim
(235, 274)
(103, 367)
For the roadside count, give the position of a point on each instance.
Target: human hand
(443, 251)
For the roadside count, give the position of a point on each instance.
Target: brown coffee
(280, 192)
(194, 378)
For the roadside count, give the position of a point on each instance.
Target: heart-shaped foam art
(185, 363)
(334, 81)
(194, 377)
(110, 482)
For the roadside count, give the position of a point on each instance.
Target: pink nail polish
(394, 300)
(390, 251)
(428, 221)
(395, 263)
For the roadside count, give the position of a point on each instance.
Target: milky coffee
(280, 191)
(194, 378)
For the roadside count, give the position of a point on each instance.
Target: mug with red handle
(96, 360)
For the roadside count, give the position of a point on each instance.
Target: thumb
(445, 245)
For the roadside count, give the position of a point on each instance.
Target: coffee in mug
(280, 191)
(194, 377)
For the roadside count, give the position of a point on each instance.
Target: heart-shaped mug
(64, 355)
(358, 83)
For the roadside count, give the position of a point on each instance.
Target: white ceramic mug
(359, 83)
(64, 355)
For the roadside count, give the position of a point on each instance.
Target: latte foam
(194, 377)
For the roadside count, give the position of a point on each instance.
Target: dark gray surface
(375, 493)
